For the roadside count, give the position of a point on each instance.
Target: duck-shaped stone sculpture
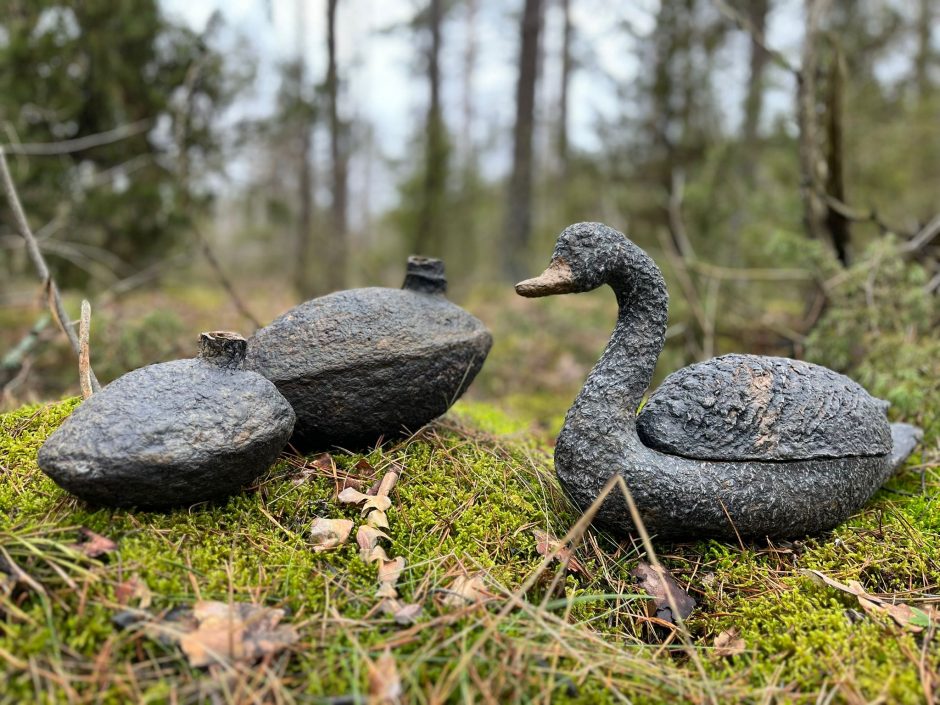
(740, 444)
(364, 364)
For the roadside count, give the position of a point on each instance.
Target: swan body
(739, 445)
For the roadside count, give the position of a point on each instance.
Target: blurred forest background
(186, 169)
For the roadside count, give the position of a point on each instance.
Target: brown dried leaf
(729, 643)
(329, 533)
(388, 483)
(234, 632)
(368, 537)
(660, 585)
(352, 496)
(376, 553)
(377, 519)
(390, 570)
(546, 545)
(319, 466)
(465, 590)
(94, 545)
(386, 591)
(133, 588)
(379, 502)
(384, 681)
(407, 614)
(910, 618)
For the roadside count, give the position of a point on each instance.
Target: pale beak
(557, 279)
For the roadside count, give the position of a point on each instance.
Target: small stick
(84, 354)
(22, 225)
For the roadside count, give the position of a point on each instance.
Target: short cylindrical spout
(425, 275)
(222, 348)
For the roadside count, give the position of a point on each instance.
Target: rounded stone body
(172, 434)
(366, 364)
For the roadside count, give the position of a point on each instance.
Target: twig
(79, 144)
(223, 279)
(744, 24)
(84, 355)
(55, 299)
(924, 237)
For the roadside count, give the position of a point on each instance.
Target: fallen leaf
(352, 496)
(660, 585)
(379, 502)
(368, 537)
(234, 632)
(466, 589)
(390, 570)
(408, 614)
(546, 545)
(321, 465)
(386, 591)
(910, 618)
(133, 589)
(403, 614)
(387, 484)
(94, 545)
(729, 643)
(384, 681)
(376, 553)
(329, 533)
(377, 519)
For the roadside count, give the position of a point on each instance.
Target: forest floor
(491, 604)
(102, 605)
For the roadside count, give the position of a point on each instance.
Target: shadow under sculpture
(174, 433)
(374, 363)
(740, 444)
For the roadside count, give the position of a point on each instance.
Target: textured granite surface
(685, 497)
(172, 434)
(371, 363)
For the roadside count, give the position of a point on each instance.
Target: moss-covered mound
(76, 628)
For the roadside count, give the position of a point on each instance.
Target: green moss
(467, 501)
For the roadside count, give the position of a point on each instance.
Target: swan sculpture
(738, 445)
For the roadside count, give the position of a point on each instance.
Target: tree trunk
(303, 281)
(808, 121)
(925, 53)
(429, 226)
(754, 100)
(519, 213)
(469, 73)
(836, 223)
(337, 245)
(564, 92)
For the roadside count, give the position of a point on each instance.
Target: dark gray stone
(365, 364)
(172, 434)
(751, 407)
(772, 477)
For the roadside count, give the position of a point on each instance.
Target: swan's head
(581, 260)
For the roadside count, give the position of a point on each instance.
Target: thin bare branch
(223, 279)
(84, 355)
(22, 225)
(79, 144)
(744, 24)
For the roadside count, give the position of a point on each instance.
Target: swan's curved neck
(623, 373)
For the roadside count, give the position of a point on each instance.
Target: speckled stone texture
(750, 407)
(772, 477)
(172, 434)
(366, 364)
